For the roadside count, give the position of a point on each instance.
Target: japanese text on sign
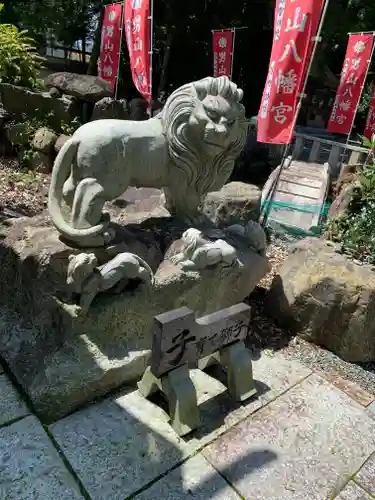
(179, 338)
(296, 22)
(110, 44)
(137, 33)
(222, 49)
(352, 79)
(370, 122)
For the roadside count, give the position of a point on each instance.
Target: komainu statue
(188, 150)
(86, 279)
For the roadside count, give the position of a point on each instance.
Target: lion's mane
(186, 156)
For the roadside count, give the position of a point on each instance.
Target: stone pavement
(303, 437)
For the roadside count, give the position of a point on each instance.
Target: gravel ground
(266, 335)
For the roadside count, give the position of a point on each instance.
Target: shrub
(20, 64)
(355, 229)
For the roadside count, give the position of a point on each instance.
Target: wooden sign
(180, 342)
(179, 338)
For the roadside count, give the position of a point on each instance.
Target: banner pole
(361, 32)
(316, 40)
(151, 18)
(120, 48)
(230, 29)
(233, 41)
(360, 95)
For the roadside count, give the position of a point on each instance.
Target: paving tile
(371, 407)
(305, 444)
(119, 445)
(353, 390)
(11, 404)
(30, 466)
(196, 479)
(366, 475)
(353, 492)
(273, 375)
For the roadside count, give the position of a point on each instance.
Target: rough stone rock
(44, 141)
(341, 203)
(328, 299)
(61, 140)
(110, 108)
(54, 92)
(19, 102)
(17, 134)
(41, 162)
(235, 203)
(6, 147)
(64, 358)
(346, 183)
(138, 109)
(4, 115)
(84, 87)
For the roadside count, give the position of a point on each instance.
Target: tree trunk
(92, 68)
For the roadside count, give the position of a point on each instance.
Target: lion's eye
(230, 123)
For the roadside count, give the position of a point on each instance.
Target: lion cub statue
(200, 253)
(187, 150)
(87, 280)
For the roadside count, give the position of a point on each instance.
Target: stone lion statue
(199, 253)
(87, 280)
(188, 150)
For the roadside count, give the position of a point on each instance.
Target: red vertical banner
(110, 44)
(137, 28)
(296, 23)
(223, 52)
(370, 122)
(353, 74)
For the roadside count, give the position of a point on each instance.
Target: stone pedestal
(63, 357)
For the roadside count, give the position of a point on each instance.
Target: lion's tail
(60, 173)
(143, 263)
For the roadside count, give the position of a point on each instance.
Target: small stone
(18, 134)
(110, 108)
(60, 142)
(4, 115)
(54, 92)
(41, 162)
(44, 140)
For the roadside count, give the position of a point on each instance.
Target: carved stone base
(180, 392)
(181, 395)
(236, 361)
(64, 358)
